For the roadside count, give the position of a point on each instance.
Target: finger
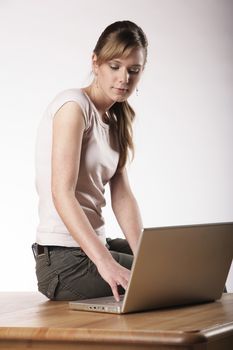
(115, 292)
(125, 285)
(123, 282)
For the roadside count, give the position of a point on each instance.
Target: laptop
(176, 265)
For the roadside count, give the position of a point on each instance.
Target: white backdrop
(183, 170)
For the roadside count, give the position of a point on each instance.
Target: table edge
(70, 335)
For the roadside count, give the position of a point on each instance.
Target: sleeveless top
(98, 163)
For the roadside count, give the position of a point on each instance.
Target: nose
(124, 76)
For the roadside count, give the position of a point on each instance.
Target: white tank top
(98, 163)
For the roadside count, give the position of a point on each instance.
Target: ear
(95, 65)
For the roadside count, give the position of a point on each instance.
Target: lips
(121, 90)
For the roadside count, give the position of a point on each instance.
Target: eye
(134, 70)
(113, 66)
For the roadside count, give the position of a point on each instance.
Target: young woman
(83, 142)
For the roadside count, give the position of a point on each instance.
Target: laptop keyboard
(113, 301)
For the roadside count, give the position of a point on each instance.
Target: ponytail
(124, 115)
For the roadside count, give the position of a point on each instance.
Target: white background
(183, 170)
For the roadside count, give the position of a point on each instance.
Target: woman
(83, 142)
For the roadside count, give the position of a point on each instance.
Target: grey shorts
(68, 274)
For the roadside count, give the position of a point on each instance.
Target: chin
(120, 98)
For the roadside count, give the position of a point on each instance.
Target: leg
(119, 245)
(68, 274)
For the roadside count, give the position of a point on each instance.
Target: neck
(101, 102)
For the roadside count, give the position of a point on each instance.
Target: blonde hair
(118, 40)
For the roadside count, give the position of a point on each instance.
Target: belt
(45, 249)
(41, 249)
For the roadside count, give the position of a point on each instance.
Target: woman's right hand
(114, 274)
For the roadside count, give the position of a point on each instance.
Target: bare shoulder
(69, 114)
(68, 128)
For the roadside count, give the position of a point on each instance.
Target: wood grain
(29, 320)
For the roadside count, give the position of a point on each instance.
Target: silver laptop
(173, 266)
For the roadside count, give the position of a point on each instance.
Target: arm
(68, 128)
(125, 208)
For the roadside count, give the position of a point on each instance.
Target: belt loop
(47, 257)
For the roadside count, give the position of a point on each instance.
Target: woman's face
(118, 78)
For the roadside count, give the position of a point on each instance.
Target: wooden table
(30, 321)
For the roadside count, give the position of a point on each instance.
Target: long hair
(118, 40)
